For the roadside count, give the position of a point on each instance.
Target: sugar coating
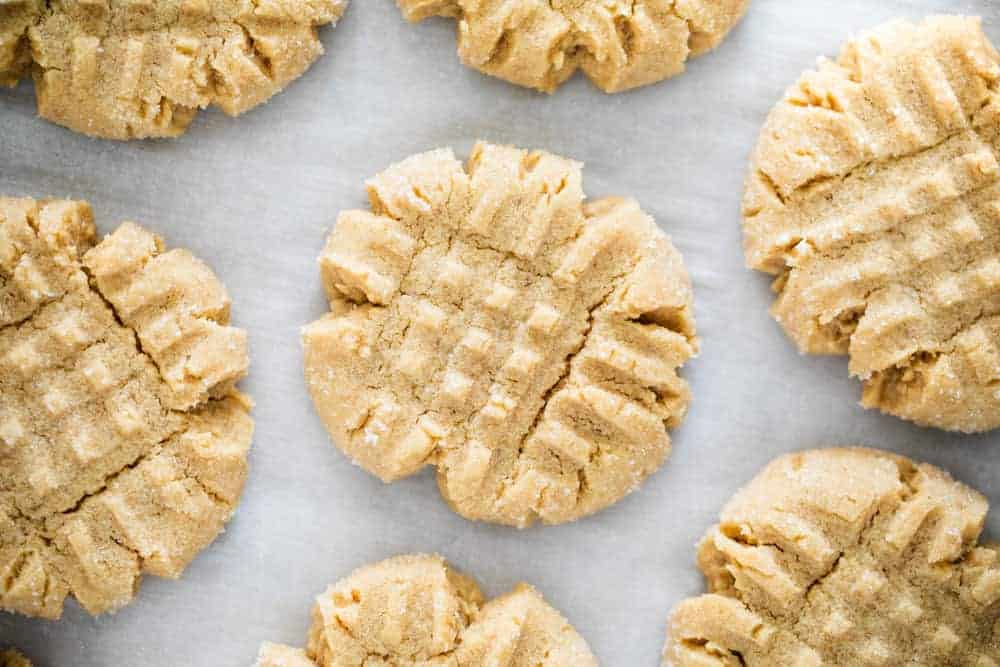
(844, 557)
(123, 441)
(489, 321)
(130, 69)
(620, 44)
(874, 196)
(415, 609)
(279, 655)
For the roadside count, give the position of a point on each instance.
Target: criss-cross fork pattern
(415, 609)
(845, 557)
(491, 323)
(874, 194)
(122, 441)
(124, 69)
(619, 44)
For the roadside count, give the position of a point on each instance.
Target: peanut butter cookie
(874, 196)
(489, 321)
(123, 442)
(415, 609)
(619, 44)
(845, 557)
(132, 69)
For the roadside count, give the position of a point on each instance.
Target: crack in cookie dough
(131, 69)
(415, 609)
(874, 195)
(845, 557)
(491, 322)
(619, 44)
(123, 441)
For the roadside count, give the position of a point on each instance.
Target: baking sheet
(255, 197)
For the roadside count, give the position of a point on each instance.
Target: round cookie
(619, 44)
(12, 658)
(874, 196)
(844, 557)
(132, 69)
(123, 442)
(415, 609)
(489, 321)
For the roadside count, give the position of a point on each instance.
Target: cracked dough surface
(845, 557)
(123, 443)
(489, 321)
(619, 44)
(131, 69)
(11, 658)
(415, 609)
(874, 195)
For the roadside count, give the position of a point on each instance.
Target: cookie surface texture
(845, 557)
(489, 321)
(123, 442)
(415, 609)
(12, 658)
(619, 45)
(129, 69)
(874, 196)
(279, 655)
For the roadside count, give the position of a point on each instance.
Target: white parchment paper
(255, 197)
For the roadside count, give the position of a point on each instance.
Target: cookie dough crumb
(279, 655)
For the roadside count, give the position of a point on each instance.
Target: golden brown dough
(489, 321)
(874, 195)
(619, 44)
(131, 69)
(845, 557)
(416, 610)
(16, 16)
(277, 655)
(11, 658)
(123, 442)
